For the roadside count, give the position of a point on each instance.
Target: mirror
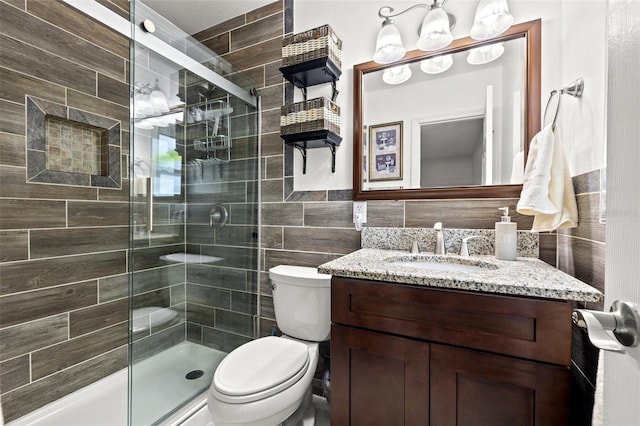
(461, 133)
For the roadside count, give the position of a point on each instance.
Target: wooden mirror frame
(531, 121)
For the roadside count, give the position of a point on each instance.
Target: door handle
(622, 320)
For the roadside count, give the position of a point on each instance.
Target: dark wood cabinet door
(471, 388)
(378, 379)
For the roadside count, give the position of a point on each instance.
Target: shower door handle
(149, 204)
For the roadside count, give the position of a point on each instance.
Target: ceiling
(196, 15)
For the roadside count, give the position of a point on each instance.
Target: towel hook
(575, 89)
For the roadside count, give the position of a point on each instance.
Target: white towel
(517, 169)
(597, 418)
(547, 190)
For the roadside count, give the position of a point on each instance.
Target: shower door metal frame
(135, 32)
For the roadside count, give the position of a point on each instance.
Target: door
(487, 164)
(622, 276)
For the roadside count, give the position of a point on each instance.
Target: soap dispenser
(506, 237)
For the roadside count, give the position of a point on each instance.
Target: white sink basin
(444, 263)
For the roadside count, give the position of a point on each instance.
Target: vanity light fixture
(492, 19)
(485, 54)
(435, 32)
(396, 75)
(389, 46)
(437, 64)
(158, 100)
(151, 107)
(142, 103)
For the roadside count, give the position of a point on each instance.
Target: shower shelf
(212, 143)
(212, 109)
(213, 116)
(190, 258)
(216, 147)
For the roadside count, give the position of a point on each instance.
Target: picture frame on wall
(385, 151)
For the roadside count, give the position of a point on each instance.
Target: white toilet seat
(259, 369)
(271, 409)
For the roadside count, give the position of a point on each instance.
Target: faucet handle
(464, 247)
(414, 242)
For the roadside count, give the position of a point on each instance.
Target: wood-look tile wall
(581, 253)
(63, 248)
(222, 297)
(310, 228)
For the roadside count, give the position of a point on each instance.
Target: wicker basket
(308, 116)
(312, 44)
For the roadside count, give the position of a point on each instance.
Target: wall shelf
(313, 72)
(302, 75)
(311, 140)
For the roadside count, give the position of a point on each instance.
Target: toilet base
(305, 415)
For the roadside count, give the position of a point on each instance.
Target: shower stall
(190, 160)
(194, 209)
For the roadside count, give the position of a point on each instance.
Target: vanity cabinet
(411, 355)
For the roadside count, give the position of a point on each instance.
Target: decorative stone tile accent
(71, 147)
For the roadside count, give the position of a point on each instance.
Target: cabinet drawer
(535, 329)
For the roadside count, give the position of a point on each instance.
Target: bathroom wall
(573, 45)
(306, 219)
(63, 249)
(252, 43)
(581, 253)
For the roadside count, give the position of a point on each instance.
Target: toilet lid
(261, 368)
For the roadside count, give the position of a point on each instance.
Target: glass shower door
(194, 214)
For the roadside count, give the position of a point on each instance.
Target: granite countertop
(526, 276)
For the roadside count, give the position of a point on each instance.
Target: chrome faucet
(439, 238)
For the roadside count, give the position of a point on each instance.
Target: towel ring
(575, 89)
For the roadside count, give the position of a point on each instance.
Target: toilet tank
(302, 302)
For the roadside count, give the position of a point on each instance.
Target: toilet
(267, 381)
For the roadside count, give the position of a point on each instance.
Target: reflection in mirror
(451, 153)
(464, 124)
(465, 118)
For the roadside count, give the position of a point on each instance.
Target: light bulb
(485, 54)
(436, 65)
(492, 18)
(389, 46)
(158, 100)
(396, 75)
(435, 33)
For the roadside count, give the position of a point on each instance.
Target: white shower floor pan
(159, 385)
